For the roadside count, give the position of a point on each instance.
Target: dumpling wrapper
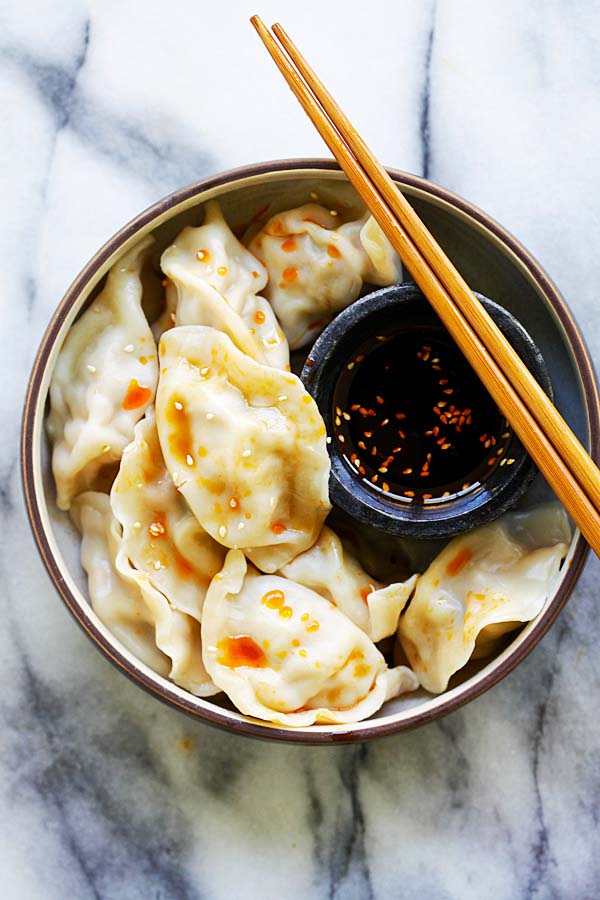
(317, 267)
(283, 653)
(104, 380)
(161, 536)
(138, 615)
(331, 571)
(244, 444)
(214, 281)
(482, 585)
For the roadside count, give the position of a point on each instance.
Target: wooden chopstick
(554, 467)
(534, 397)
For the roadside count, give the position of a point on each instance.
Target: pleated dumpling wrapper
(284, 653)
(104, 380)
(138, 615)
(317, 266)
(245, 445)
(482, 585)
(331, 571)
(162, 539)
(213, 280)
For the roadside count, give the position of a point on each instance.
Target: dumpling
(118, 604)
(337, 575)
(104, 380)
(216, 282)
(245, 445)
(283, 653)
(482, 585)
(139, 616)
(161, 536)
(317, 267)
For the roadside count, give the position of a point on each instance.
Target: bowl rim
(175, 697)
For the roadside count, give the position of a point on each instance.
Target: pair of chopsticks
(543, 432)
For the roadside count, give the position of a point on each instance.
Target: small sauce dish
(417, 447)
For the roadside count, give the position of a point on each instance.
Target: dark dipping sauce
(413, 421)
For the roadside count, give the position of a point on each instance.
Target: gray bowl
(493, 263)
(379, 313)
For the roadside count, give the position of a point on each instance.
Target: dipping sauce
(413, 421)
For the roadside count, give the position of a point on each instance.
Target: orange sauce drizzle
(458, 562)
(273, 599)
(288, 245)
(290, 274)
(240, 650)
(333, 251)
(180, 438)
(277, 527)
(137, 395)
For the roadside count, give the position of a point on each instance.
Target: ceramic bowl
(491, 260)
(404, 306)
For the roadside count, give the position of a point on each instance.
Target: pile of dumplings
(195, 466)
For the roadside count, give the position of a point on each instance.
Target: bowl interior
(490, 265)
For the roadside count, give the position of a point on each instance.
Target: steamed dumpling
(167, 640)
(334, 573)
(215, 281)
(482, 585)
(161, 536)
(118, 604)
(244, 444)
(283, 653)
(105, 378)
(317, 267)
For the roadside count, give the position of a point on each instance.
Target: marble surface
(104, 793)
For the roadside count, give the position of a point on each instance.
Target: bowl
(481, 495)
(492, 261)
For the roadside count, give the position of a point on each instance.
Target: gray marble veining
(104, 792)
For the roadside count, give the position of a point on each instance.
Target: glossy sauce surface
(413, 421)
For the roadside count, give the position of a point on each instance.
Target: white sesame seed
(282, 398)
(333, 212)
(328, 439)
(314, 195)
(157, 565)
(341, 439)
(205, 370)
(178, 405)
(129, 348)
(106, 448)
(210, 416)
(173, 317)
(137, 524)
(246, 452)
(91, 369)
(240, 526)
(189, 459)
(222, 531)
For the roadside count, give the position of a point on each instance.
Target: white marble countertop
(104, 793)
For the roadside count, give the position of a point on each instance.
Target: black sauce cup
(383, 312)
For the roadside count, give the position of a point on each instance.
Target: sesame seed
(129, 348)
(282, 398)
(338, 421)
(137, 524)
(328, 439)
(222, 531)
(210, 416)
(350, 366)
(105, 448)
(189, 459)
(346, 416)
(91, 369)
(385, 486)
(246, 452)
(157, 565)
(509, 462)
(341, 439)
(178, 405)
(204, 370)
(314, 196)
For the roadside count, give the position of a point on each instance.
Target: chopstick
(537, 401)
(544, 434)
